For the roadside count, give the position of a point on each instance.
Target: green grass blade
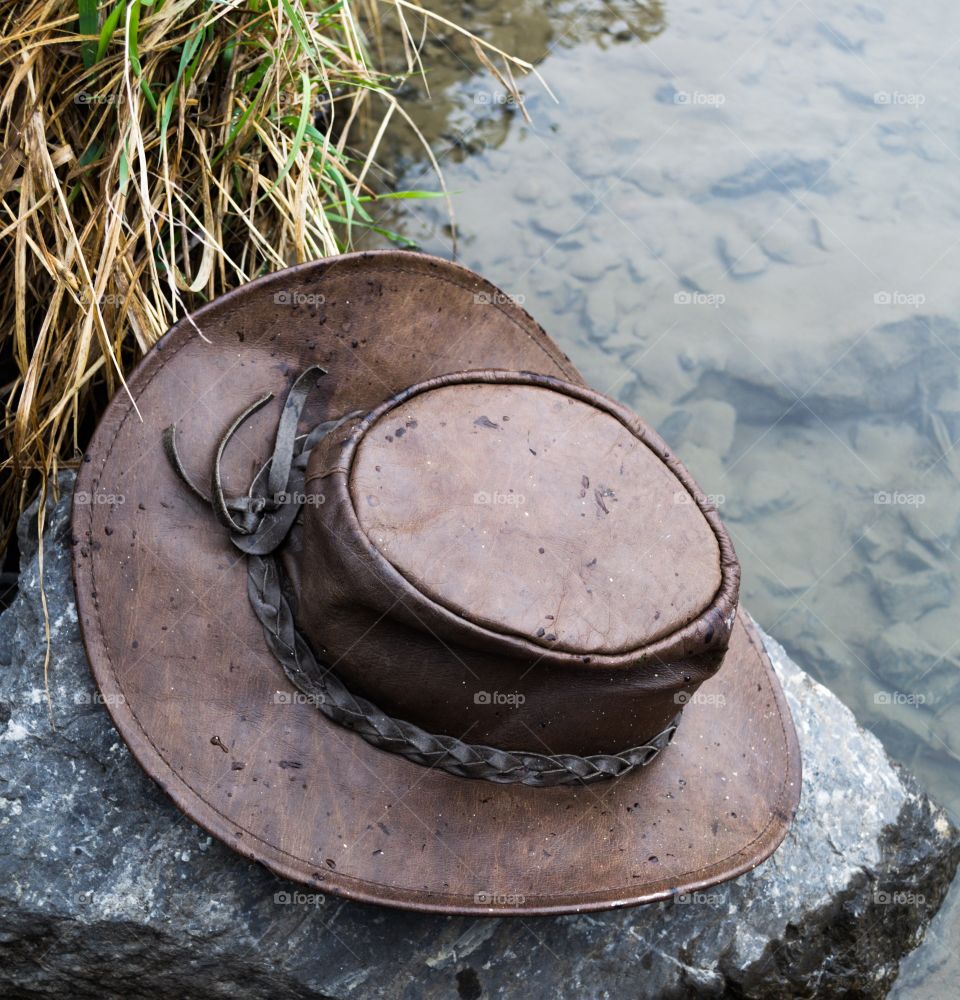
(300, 133)
(133, 54)
(239, 124)
(299, 28)
(397, 238)
(89, 25)
(184, 73)
(396, 195)
(350, 199)
(109, 27)
(124, 171)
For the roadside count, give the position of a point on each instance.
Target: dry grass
(156, 153)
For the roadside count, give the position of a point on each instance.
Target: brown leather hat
(388, 600)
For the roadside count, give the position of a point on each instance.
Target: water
(741, 219)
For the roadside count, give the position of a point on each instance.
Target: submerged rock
(784, 173)
(911, 595)
(107, 891)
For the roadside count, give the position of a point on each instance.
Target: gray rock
(768, 492)
(781, 174)
(911, 595)
(741, 260)
(902, 655)
(107, 891)
(898, 370)
(705, 423)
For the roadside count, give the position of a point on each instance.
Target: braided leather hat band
(259, 523)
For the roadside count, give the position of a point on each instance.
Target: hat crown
(504, 534)
(533, 513)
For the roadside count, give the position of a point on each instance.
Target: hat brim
(184, 670)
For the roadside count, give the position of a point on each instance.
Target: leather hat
(386, 598)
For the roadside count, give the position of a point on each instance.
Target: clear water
(741, 219)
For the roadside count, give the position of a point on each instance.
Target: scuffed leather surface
(179, 658)
(531, 512)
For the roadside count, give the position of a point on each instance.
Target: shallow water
(741, 220)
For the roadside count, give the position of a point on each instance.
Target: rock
(705, 423)
(741, 259)
(767, 493)
(601, 312)
(107, 891)
(909, 596)
(790, 582)
(896, 370)
(595, 263)
(879, 540)
(950, 716)
(707, 470)
(901, 655)
(773, 173)
(528, 191)
(937, 524)
(791, 241)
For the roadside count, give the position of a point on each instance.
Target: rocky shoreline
(106, 890)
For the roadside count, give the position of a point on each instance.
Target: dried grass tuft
(156, 153)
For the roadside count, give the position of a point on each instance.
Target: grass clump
(159, 152)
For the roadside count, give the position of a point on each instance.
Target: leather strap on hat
(260, 522)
